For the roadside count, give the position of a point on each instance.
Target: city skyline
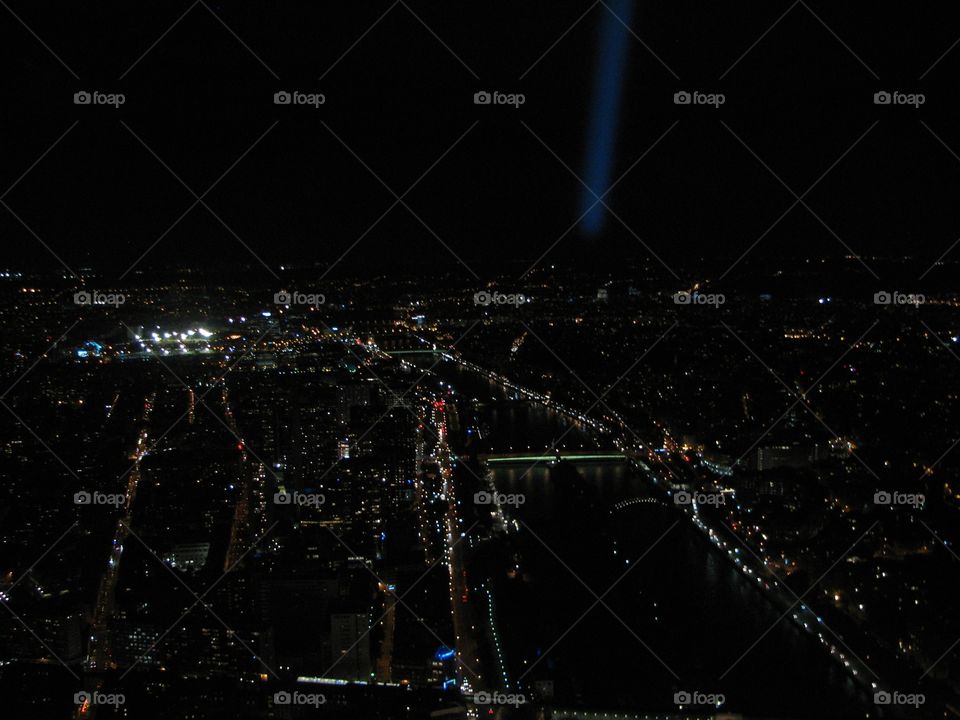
(404, 360)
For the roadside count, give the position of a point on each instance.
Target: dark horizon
(800, 101)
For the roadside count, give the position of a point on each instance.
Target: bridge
(590, 456)
(639, 501)
(417, 351)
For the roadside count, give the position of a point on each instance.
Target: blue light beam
(605, 111)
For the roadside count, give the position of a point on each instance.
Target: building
(350, 641)
(190, 557)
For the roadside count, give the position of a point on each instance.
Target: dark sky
(800, 98)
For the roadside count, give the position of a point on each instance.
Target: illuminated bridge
(519, 457)
(638, 501)
(417, 351)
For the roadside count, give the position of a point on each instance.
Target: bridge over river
(572, 457)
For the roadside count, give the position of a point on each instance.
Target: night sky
(800, 98)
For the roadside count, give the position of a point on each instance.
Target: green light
(545, 458)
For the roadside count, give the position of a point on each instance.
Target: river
(679, 617)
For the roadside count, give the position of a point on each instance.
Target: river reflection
(678, 617)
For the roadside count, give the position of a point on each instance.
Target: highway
(467, 625)
(100, 656)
